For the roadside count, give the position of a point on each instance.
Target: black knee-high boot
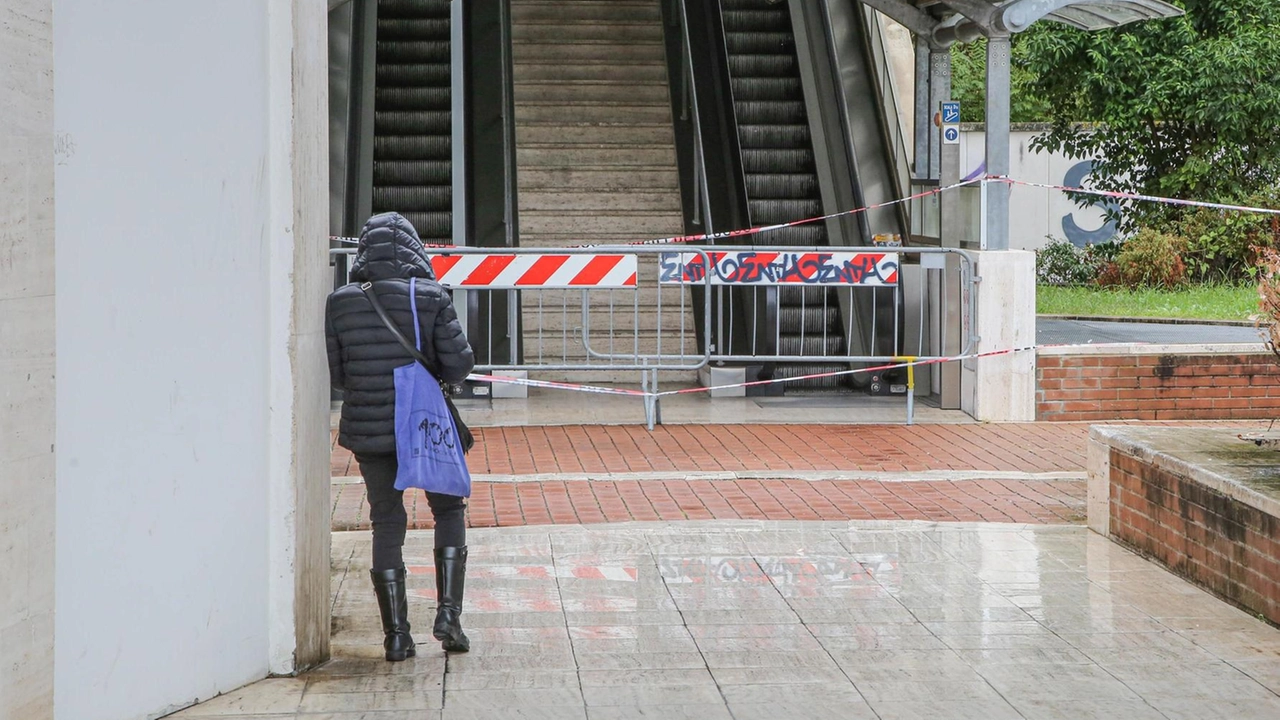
(389, 585)
(451, 572)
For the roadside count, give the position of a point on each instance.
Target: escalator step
(420, 98)
(412, 74)
(412, 147)
(777, 161)
(768, 89)
(768, 212)
(797, 185)
(414, 198)
(412, 169)
(760, 43)
(418, 30)
(746, 66)
(819, 345)
(791, 370)
(413, 172)
(809, 297)
(774, 136)
(405, 51)
(756, 20)
(432, 226)
(771, 113)
(413, 123)
(814, 235)
(814, 318)
(413, 9)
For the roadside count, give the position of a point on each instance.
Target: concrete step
(613, 156)
(563, 93)
(602, 202)
(650, 72)
(596, 12)
(611, 33)
(596, 134)
(571, 178)
(529, 113)
(589, 227)
(526, 52)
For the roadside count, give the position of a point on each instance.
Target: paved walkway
(750, 620)
(1030, 473)
(1032, 447)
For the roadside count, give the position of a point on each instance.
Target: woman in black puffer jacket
(363, 355)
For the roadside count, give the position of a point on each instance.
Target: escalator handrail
(715, 14)
(701, 189)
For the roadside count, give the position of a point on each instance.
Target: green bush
(1063, 264)
(1147, 260)
(1222, 246)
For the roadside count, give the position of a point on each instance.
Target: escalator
(780, 173)
(412, 148)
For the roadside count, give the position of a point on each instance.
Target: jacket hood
(389, 248)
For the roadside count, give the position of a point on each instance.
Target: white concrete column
(298, 282)
(26, 360)
(192, 417)
(1003, 388)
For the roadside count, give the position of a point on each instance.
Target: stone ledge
(1155, 349)
(1195, 460)
(1200, 501)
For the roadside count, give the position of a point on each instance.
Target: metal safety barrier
(573, 313)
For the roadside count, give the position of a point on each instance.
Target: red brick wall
(1219, 543)
(1157, 387)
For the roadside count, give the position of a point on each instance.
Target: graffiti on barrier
(750, 267)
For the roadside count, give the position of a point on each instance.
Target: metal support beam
(997, 219)
(906, 14)
(939, 92)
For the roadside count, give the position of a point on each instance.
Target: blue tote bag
(429, 450)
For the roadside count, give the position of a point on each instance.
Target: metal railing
(892, 305)
(568, 315)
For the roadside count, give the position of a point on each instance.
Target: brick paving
(606, 449)
(586, 502)
(1031, 447)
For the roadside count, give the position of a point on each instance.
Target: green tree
(1186, 107)
(969, 83)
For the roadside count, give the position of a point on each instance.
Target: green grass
(1202, 302)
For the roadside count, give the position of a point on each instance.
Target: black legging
(386, 513)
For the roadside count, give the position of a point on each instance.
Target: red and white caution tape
(677, 239)
(806, 221)
(1136, 196)
(596, 389)
(504, 380)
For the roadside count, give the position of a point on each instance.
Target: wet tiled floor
(739, 619)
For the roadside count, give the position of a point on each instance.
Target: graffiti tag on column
(748, 267)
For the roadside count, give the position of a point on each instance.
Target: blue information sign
(951, 112)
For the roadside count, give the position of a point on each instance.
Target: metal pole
(997, 218)
(922, 109)
(939, 91)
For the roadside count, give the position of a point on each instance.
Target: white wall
(1035, 213)
(184, 438)
(26, 360)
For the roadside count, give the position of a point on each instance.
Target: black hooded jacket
(363, 354)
